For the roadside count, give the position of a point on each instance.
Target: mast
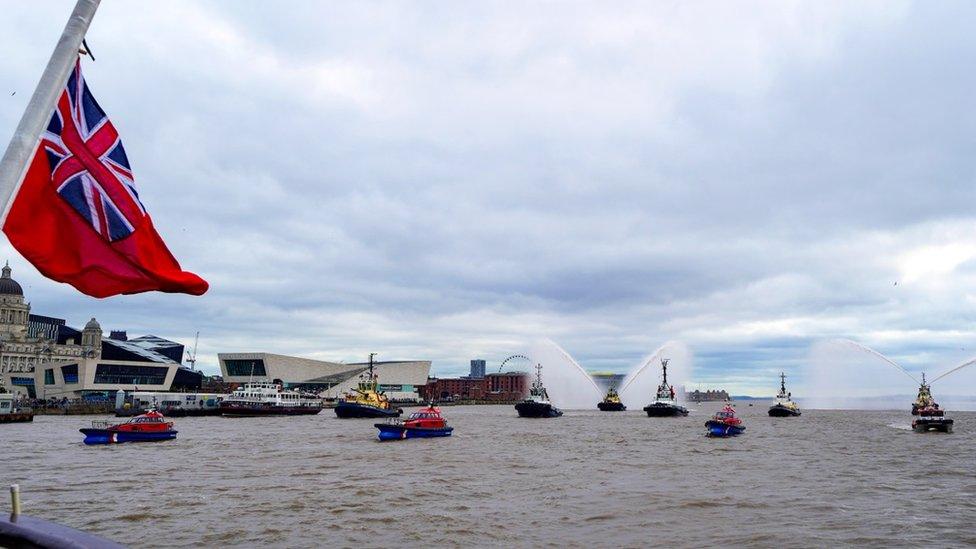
(782, 383)
(371, 355)
(36, 116)
(664, 366)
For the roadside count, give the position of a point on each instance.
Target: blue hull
(104, 436)
(347, 410)
(719, 429)
(399, 432)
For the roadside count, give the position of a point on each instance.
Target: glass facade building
(245, 367)
(124, 374)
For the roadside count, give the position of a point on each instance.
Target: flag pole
(18, 154)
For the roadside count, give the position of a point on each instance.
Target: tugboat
(665, 405)
(724, 423)
(263, 398)
(929, 416)
(426, 423)
(148, 427)
(537, 404)
(611, 402)
(9, 411)
(366, 400)
(783, 406)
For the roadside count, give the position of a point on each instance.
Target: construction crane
(192, 357)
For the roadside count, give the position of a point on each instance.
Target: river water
(585, 479)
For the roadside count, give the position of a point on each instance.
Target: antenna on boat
(192, 357)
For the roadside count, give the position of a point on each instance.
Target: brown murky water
(586, 479)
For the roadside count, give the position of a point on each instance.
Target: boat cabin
(6, 403)
(429, 417)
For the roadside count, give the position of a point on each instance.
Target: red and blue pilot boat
(148, 427)
(724, 423)
(426, 423)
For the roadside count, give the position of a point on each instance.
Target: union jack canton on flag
(88, 163)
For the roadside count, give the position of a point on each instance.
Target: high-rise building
(477, 369)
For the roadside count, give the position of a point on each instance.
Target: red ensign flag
(76, 214)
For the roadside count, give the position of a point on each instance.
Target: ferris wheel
(517, 363)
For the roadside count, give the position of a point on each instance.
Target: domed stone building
(43, 357)
(26, 339)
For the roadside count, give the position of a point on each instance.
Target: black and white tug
(783, 406)
(665, 404)
(537, 404)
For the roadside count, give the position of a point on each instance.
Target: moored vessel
(929, 416)
(783, 406)
(269, 398)
(665, 404)
(724, 423)
(10, 411)
(426, 423)
(366, 400)
(611, 402)
(148, 427)
(537, 404)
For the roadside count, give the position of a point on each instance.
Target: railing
(101, 424)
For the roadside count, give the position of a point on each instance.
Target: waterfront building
(27, 339)
(477, 369)
(498, 387)
(707, 396)
(401, 380)
(109, 365)
(43, 357)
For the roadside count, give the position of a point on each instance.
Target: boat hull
(722, 429)
(537, 409)
(400, 432)
(935, 425)
(235, 409)
(351, 410)
(778, 410)
(17, 417)
(611, 406)
(658, 409)
(108, 436)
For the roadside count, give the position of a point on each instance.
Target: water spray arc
(867, 349)
(969, 362)
(651, 360)
(871, 351)
(642, 383)
(569, 386)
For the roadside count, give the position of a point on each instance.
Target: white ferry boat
(269, 398)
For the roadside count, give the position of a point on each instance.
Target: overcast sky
(450, 181)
